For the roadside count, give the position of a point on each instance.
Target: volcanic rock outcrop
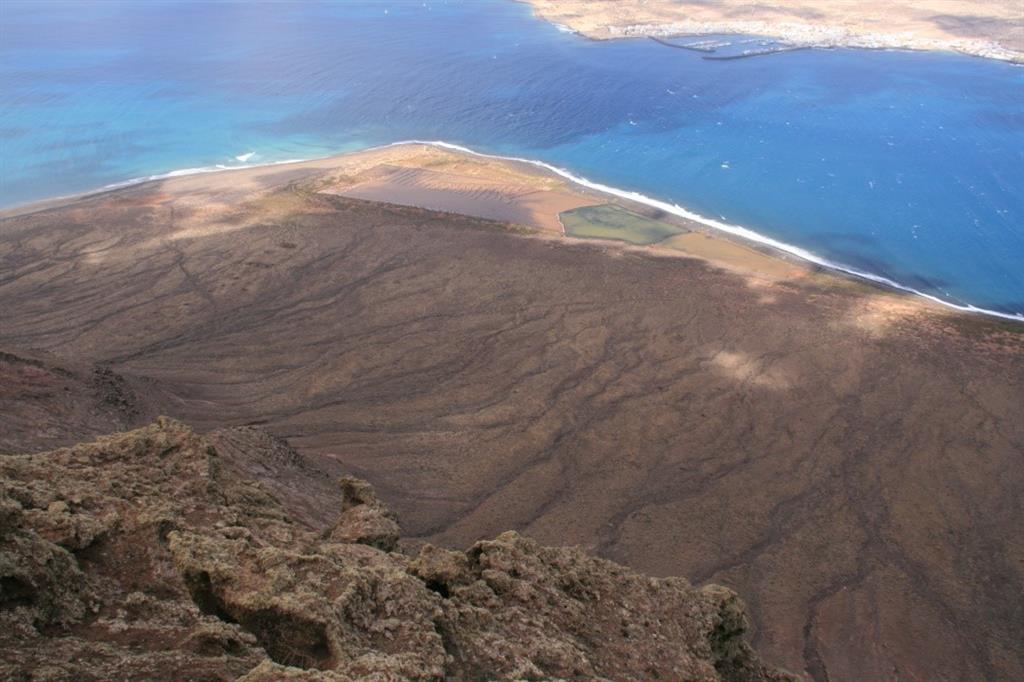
(151, 555)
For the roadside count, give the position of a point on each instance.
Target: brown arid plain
(986, 28)
(848, 459)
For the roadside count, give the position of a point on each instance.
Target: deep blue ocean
(908, 166)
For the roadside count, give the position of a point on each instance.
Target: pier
(701, 46)
(757, 53)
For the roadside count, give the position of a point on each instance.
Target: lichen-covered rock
(96, 593)
(142, 556)
(40, 583)
(516, 610)
(364, 519)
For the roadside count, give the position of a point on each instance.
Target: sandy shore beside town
(984, 28)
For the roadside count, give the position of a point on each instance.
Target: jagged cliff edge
(152, 555)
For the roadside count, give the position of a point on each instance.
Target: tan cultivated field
(492, 191)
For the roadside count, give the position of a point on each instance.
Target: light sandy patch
(97, 252)
(877, 314)
(749, 370)
(734, 256)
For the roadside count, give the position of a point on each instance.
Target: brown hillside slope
(47, 402)
(846, 459)
(143, 556)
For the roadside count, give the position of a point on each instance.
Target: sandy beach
(984, 28)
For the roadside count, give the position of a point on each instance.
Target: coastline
(744, 235)
(53, 202)
(734, 230)
(799, 37)
(596, 20)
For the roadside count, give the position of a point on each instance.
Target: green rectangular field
(609, 221)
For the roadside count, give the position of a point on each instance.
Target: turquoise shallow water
(904, 166)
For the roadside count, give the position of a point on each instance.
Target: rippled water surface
(908, 166)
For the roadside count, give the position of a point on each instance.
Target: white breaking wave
(674, 209)
(194, 171)
(245, 157)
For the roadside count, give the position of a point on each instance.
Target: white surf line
(14, 209)
(182, 172)
(737, 230)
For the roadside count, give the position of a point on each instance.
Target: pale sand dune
(986, 28)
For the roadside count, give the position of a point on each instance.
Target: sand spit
(437, 177)
(516, 191)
